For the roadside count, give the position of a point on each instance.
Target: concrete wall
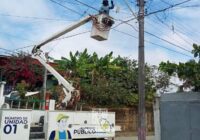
(127, 118)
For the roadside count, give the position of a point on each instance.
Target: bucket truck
(18, 124)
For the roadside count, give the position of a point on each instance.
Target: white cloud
(119, 43)
(178, 39)
(155, 56)
(25, 7)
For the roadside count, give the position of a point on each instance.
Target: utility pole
(141, 79)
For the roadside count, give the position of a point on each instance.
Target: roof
(180, 96)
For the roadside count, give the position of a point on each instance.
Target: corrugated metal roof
(181, 96)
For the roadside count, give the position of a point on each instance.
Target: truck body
(60, 124)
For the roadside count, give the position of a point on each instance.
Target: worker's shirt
(106, 9)
(62, 135)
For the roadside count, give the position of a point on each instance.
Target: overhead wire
(125, 1)
(8, 51)
(70, 9)
(85, 12)
(61, 38)
(169, 7)
(147, 15)
(161, 46)
(69, 36)
(42, 19)
(171, 43)
(30, 17)
(21, 38)
(169, 37)
(87, 5)
(166, 2)
(188, 6)
(184, 29)
(166, 25)
(122, 22)
(162, 10)
(24, 47)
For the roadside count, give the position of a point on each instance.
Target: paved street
(133, 138)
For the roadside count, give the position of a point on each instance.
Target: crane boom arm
(60, 79)
(66, 30)
(68, 88)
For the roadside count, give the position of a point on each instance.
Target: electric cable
(167, 41)
(72, 10)
(170, 7)
(153, 43)
(35, 18)
(166, 25)
(87, 5)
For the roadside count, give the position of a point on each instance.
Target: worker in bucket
(105, 8)
(61, 133)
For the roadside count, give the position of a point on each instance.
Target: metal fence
(34, 104)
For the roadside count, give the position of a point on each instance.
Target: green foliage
(196, 50)
(188, 71)
(22, 88)
(106, 81)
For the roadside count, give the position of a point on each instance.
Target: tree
(188, 71)
(22, 67)
(106, 81)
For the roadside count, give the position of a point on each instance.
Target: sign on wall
(77, 125)
(15, 124)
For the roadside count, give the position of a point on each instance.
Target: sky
(24, 23)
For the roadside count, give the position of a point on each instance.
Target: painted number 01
(8, 129)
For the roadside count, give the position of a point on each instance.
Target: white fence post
(2, 99)
(156, 108)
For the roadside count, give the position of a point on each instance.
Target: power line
(35, 18)
(167, 8)
(188, 6)
(186, 28)
(13, 51)
(28, 46)
(153, 43)
(16, 36)
(166, 2)
(161, 10)
(6, 52)
(9, 51)
(166, 25)
(168, 48)
(126, 22)
(85, 12)
(161, 39)
(5, 49)
(73, 35)
(87, 5)
(21, 48)
(72, 10)
(167, 41)
(79, 14)
(71, 3)
(130, 8)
